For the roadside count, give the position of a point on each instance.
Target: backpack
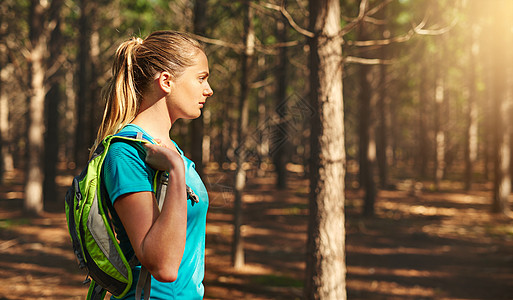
(89, 223)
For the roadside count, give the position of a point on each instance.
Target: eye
(201, 79)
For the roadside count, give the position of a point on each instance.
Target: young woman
(155, 82)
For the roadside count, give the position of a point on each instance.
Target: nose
(208, 91)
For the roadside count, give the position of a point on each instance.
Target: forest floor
(422, 245)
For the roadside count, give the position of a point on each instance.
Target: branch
(289, 18)
(239, 48)
(271, 48)
(416, 29)
(355, 22)
(374, 21)
(366, 61)
(236, 47)
(282, 44)
(55, 66)
(261, 83)
(362, 14)
(419, 30)
(378, 7)
(383, 42)
(363, 8)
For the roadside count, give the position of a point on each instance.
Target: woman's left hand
(163, 158)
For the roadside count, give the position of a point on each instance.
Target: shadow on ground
(427, 246)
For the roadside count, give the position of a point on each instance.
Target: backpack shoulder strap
(144, 281)
(95, 292)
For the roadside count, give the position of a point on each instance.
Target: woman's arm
(158, 239)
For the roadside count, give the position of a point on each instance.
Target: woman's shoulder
(124, 149)
(121, 149)
(126, 159)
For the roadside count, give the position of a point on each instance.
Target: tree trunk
(7, 161)
(84, 95)
(69, 117)
(53, 100)
(439, 130)
(382, 146)
(95, 114)
(325, 263)
(242, 130)
(423, 153)
(263, 136)
(197, 126)
(35, 144)
(501, 111)
(280, 154)
(487, 106)
(367, 130)
(471, 109)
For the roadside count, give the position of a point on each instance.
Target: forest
(357, 149)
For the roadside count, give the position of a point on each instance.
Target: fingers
(162, 158)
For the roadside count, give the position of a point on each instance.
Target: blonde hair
(135, 64)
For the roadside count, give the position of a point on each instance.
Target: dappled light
(440, 245)
(355, 149)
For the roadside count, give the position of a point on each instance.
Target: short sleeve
(124, 171)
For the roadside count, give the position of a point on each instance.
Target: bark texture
(325, 278)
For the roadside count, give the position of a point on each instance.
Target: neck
(154, 118)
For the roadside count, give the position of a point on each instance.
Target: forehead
(200, 62)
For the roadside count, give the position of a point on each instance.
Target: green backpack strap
(95, 292)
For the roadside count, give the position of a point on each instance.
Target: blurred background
(427, 100)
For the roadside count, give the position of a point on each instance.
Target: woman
(155, 82)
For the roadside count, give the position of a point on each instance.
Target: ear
(165, 82)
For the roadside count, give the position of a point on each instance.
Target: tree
(502, 101)
(471, 109)
(6, 70)
(423, 141)
(367, 135)
(6, 161)
(439, 165)
(53, 99)
(41, 26)
(383, 151)
(325, 269)
(242, 131)
(280, 154)
(440, 106)
(86, 85)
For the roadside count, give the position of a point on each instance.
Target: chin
(195, 116)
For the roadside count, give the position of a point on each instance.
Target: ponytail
(120, 95)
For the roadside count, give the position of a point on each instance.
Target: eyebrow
(204, 73)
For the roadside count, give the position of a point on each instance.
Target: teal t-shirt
(124, 171)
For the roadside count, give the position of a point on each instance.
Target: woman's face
(190, 91)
